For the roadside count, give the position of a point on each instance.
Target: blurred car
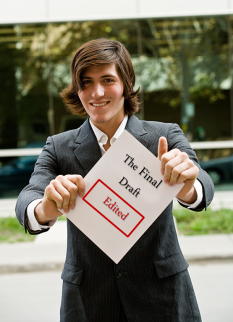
(15, 175)
(220, 170)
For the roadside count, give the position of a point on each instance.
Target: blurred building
(182, 52)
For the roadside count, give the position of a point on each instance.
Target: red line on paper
(108, 218)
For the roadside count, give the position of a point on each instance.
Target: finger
(163, 147)
(63, 187)
(53, 195)
(188, 174)
(79, 182)
(178, 174)
(167, 157)
(178, 162)
(72, 186)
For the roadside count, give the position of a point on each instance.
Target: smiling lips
(98, 105)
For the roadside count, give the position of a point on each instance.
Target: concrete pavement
(7, 207)
(36, 296)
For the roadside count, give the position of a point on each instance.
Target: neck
(110, 127)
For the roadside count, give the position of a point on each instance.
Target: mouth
(100, 104)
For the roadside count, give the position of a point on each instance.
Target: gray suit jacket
(151, 282)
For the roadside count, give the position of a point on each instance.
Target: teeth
(97, 105)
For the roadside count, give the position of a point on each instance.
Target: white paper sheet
(124, 194)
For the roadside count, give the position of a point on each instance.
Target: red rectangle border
(119, 198)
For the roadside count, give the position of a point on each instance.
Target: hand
(61, 193)
(176, 167)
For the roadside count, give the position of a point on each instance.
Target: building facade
(182, 54)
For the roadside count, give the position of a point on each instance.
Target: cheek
(118, 93)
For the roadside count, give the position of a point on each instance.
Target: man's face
(102, 95)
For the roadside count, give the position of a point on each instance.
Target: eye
(108, 80)
(85, 82)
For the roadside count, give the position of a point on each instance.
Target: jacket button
(119, 274)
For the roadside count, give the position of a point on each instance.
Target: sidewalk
(48, 250)
(46, 253)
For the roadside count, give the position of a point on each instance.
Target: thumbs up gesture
(176, 167)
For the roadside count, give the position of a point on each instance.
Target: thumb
(162, 148)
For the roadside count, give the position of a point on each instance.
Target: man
(151, 282)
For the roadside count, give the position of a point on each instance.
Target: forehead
(101, 71)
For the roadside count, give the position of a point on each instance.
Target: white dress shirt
(102, 139)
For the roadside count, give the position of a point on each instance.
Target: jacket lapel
(87, 150)
(135, 128)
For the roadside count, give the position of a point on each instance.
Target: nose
(98, 91)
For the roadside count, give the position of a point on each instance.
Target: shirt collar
(102, 138)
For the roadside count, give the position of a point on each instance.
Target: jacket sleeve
(176, 139)
(46, 169)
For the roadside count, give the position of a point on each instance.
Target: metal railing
(195, 145)
(211, 145)
(19, 152)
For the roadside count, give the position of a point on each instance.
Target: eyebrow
(104, 76)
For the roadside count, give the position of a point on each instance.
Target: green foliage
(11, 231)
(188, 222)
(62, 218)
(210, 94)
(204, 222)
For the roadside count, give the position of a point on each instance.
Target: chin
(99, 119)
(102, 118)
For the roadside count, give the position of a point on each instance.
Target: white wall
(19, 11)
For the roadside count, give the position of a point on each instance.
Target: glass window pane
(184, 73)
(23, 78)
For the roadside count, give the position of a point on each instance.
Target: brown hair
(101, 52)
